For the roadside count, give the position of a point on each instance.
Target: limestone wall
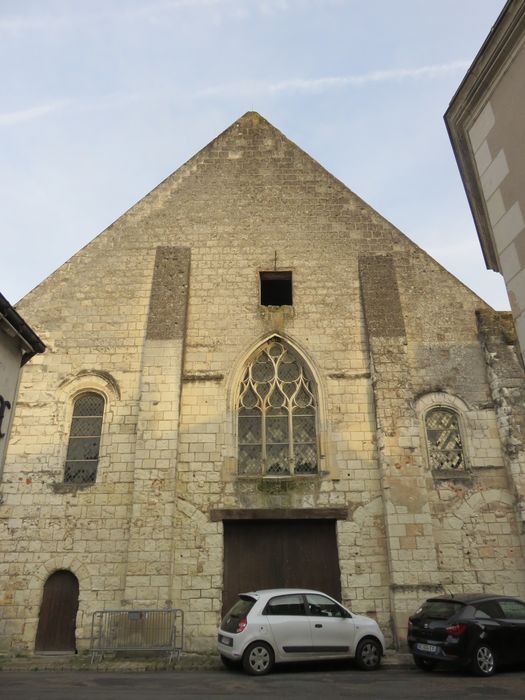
(142, 534)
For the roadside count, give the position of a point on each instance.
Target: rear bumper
(444, 652)
(230, 651)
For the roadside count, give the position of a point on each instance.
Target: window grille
(444, 439)
(277, 415)
(84, 439)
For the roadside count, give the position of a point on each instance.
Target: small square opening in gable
(276, 288)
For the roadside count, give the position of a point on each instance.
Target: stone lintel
(218, 514)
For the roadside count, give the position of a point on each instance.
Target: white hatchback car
(291, 624)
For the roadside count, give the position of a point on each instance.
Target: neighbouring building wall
(486, 126)
(10, 361)
(18, 344)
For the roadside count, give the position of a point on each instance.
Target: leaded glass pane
(276, 349)
(250, 412)
(305, 459)
(263, 388)
(250, 459)
(304, 429)
(277, 459)
(80, 472)
(282, 411)
(444, 440)
(277, 398)
(250, 429)
(277, 429)
(89, 405)
(304, 411)
(289, 389)
(83, 448)
(303, 397)
(288, 371)
(249, 398)
(262, 370)
(81, 426)
(276, 392)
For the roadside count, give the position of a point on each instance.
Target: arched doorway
(58, 613)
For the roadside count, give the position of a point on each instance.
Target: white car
(291, 624)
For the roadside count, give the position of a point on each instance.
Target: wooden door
(280, 554)
(58, 613)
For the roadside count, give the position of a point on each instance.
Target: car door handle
(318, 625)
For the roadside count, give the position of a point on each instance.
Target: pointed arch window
(277, 414)
(84, 439)
(444, 439)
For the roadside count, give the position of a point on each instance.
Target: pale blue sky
(102, 99)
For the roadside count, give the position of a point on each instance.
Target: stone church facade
(252, 379)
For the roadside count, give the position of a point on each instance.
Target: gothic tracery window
(444, 439)
(277, 414)
(84, 439)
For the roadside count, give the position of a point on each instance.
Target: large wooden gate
(58, 613)
(280, 553)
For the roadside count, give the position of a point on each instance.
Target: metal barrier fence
(137, 630)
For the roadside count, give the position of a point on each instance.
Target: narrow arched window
(444, 439)
(84, 439)
(277, 414)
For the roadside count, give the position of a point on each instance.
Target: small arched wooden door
(58, 613)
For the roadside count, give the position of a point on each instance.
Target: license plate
(226, 640)
(432, 648)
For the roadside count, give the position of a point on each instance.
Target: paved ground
(135, 663)
(287, 682)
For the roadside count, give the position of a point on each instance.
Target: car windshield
(439, 609)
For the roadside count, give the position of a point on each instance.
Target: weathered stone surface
(387, 333)
(169, 294)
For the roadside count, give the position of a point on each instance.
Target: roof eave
(31, 343)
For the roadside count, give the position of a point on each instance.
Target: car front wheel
(258, 659)
(483, 662)
(368, 654)
(424, 664)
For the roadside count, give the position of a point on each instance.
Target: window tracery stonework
(277, 415)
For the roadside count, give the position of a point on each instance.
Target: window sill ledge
(70, 488)
(278, 477)
(465, 477)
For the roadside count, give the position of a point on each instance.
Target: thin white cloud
(239, 89)
(316, 85)
(148, 10)
(24, 115)
(16, 24)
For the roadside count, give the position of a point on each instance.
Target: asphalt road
(342, 682)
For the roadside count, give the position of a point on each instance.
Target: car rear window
(239, 610)
(440, 609)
